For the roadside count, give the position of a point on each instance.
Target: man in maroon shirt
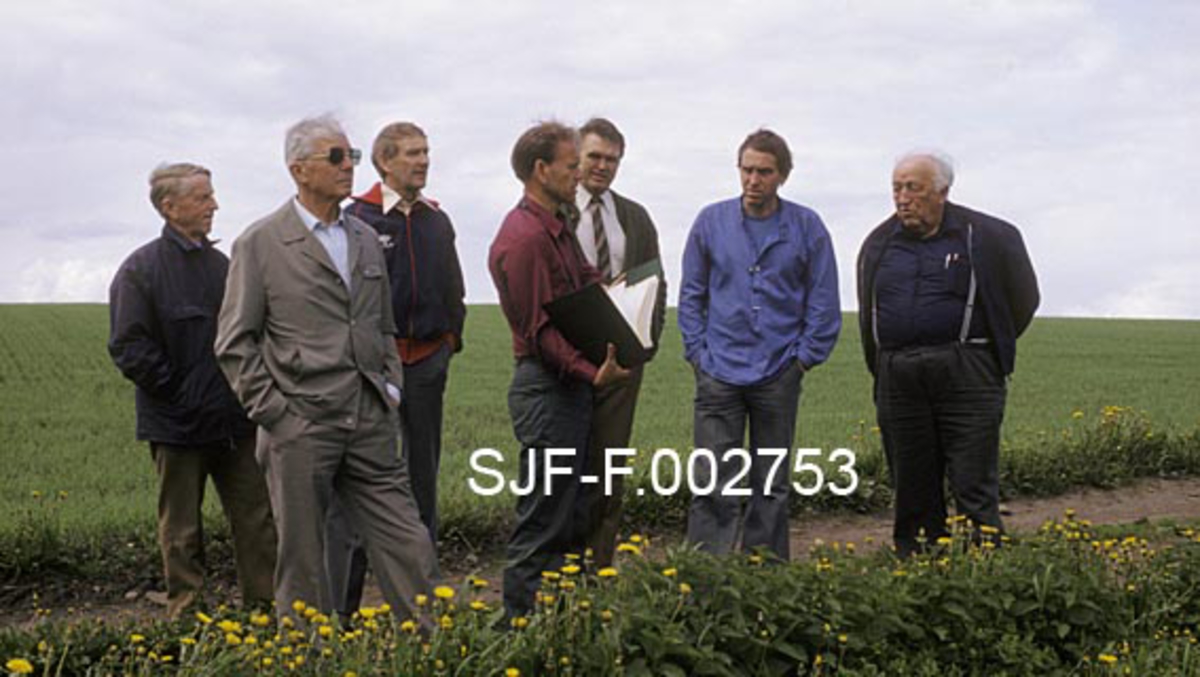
(534, 259)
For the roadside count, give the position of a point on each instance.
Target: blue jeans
(721, 413)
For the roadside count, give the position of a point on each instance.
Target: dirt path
(1146, 500)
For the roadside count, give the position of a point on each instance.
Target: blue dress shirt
(747, 311)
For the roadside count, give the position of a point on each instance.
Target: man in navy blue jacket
(943, 294)
(427, 300)
(163, 306)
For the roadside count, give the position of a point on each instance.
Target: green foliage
(1064, 601)
(68, 425)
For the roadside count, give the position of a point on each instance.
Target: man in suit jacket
(305, 338)
(616, 235)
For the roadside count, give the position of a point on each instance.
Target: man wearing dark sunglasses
(306, 340)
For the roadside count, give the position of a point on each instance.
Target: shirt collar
(178, 238)
(310, 221)
(583, 199)
(553, 222)
(390, 199)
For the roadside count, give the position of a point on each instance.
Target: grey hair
(166, 179)
(300, 136)
(943, 165)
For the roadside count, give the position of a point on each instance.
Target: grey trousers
(421, 434)
(939, 410)
(721, 413)
(546, 413)
(183, 473)
(307, 465)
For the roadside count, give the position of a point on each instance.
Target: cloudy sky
(1076, 120)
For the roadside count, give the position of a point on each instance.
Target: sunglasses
(338, 155)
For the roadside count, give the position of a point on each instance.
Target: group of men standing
(331, 329)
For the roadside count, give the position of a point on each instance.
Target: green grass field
(67, 414)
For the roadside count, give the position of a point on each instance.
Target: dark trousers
(421, 433)
(612, 425)
(183, 473)
(546, 413)
(939, 411)
(721, 413)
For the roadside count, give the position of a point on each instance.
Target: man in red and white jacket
(427, 300)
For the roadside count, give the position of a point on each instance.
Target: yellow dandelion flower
(19, 666)
(945, 540)
(261, 620)
(756, 559)
(1107, 658)
(325, 631)
(520, 622)
(167, 658)
(479, 583)
(571, 569)
(607, 572)
(232, 639)
(443, 592)
(584, 605)
(298, 606)
(685, 589)
(408, 626)
(188, 641)
(479, 605)
(988, 529)
(1077, 414)
(671, 572)
(446, 622)
(267, 661)
(384, 608)
(230, 626)
(137, 639)
(635, 538)
(367, 613)
(842, 639)
(606, 615)
(204, 618)
(572, 556)
(250, 639)
(512, 672)
(551, 575)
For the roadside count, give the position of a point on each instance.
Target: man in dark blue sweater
(427, 301)
(943, 294)
(163, 306)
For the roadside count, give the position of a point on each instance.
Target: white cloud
(1069, 118)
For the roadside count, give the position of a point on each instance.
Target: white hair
(943, 165)
(300, 136)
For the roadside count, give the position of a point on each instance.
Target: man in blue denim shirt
(758, 307)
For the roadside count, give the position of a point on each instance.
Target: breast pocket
(958, 276)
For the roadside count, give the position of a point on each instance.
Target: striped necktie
(603, 261)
